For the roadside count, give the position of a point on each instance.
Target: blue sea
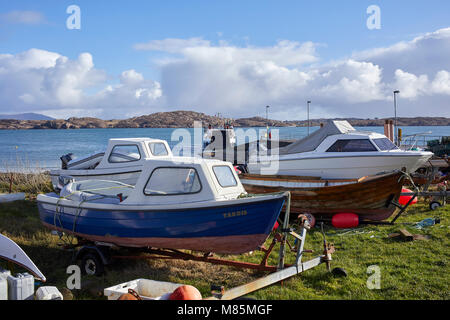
(31, 149)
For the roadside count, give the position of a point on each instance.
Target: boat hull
(229, 227)
(370, 198)
(339, 167)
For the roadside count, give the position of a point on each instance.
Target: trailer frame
(278, 272)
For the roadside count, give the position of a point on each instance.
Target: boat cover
(311, 142)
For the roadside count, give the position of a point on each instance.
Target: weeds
(409, 270)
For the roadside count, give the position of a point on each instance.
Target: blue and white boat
(177, 203)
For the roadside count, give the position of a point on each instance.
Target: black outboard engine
(65, 159)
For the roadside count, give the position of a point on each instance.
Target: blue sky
(110, 31)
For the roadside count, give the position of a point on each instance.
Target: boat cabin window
(173, 181)
(158, 149)
(352, 145)
(385, 144)
(103, 187)
(124, 153)
(224, 176)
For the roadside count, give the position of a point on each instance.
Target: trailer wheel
(339, 272)
(91, 264)
(435, 205)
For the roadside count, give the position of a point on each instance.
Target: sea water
(40, 148)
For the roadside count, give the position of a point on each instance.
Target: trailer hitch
(328, 249)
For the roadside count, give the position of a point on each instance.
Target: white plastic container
(48, 293)
(146, 289)
(21, 287)
(4, 283)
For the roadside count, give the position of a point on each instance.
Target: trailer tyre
(92, 264)
(339, 272)
(435, 205)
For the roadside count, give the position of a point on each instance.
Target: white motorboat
(10, 251)
(122, 161)
(335, 151)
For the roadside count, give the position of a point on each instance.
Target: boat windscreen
(158, 149)
(352, 145)
(173, 181)
(224, 176)
(385, 144)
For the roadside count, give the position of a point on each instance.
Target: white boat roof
(135, 140)
(311, 142)
(210, 187)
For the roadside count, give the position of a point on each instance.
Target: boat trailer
(95, 255)
(438, 199)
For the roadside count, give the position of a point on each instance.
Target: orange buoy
(127, 296)
(131, 295)
(403, 200)
(186, 293)
(345, 220)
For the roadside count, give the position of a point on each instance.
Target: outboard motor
(65, 159)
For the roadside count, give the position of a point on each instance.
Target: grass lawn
(408, 270)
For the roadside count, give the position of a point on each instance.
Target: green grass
(409, 270)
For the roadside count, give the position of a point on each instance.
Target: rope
(406, 175)
(57, 216)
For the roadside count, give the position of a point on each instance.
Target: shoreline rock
(185, 119)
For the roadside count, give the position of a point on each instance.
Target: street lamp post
(267, 122)
(308, 103)
(395, 114)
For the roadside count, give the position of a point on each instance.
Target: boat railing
(419, 141)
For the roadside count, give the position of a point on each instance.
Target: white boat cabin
(336, 137)
(122, 161)
(166, 181)
(124, 152)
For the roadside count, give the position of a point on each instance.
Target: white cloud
(425, 54)
(37, 80)
(172, 45)
(410, 85)
(441, 83)
(237, 81)
(132, 96)
(23, 17)
(242, 80)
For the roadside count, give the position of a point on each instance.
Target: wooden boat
(369, 197)
(177, 203)
(434, 171)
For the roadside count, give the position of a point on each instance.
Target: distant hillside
(25, 116)
(401, 121)
(185, 119)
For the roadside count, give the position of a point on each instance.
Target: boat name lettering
(235, 214)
